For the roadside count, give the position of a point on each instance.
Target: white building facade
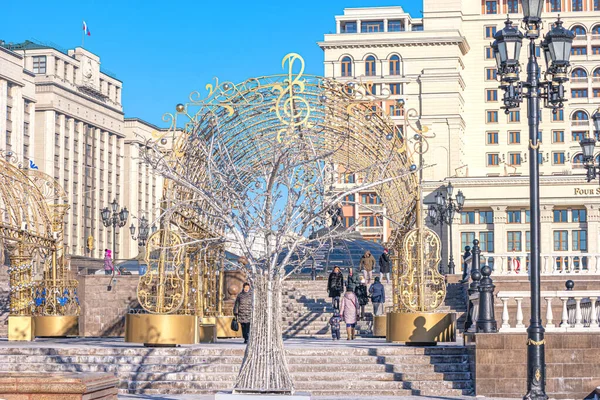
(63, 114)
(446, 71)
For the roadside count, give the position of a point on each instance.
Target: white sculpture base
(248, 396)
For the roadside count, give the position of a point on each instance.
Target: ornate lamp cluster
(588, 145)
(443, 213)
(116, 219)
(143, 231)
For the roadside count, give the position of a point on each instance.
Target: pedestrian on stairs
(377, 292)
(334, 322)
(242, 310)
(349, 312)
(367, 263)
(384, 265)
(335, 286)
(352, 282)
(362, 295)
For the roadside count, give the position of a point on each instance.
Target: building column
(338, 27)
(385, 25)
(358, 26)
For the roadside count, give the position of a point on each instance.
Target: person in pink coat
(349, 310)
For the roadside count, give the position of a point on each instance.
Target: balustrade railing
(580, 310)
(551, 264)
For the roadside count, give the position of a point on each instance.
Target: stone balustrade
(551, 264)
(579, 310)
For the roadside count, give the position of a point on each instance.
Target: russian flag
(85, 29)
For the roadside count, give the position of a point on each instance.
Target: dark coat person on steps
(242, 310)
(385, 265)
(335, 286)
(352, 282)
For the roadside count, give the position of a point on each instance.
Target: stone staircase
(359, 369)
(307, 309)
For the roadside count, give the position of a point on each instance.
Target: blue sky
(164, 50)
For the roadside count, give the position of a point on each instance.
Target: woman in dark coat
(384, 266)
(363, 296)
(242, 309)
(335, 287)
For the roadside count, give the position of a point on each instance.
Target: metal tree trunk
(264, 368)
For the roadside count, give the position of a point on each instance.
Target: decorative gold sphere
(180, 107)
(233, 290)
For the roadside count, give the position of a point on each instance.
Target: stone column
(338, 27)
(385, 25)
(358, 26)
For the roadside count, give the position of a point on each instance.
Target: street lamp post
(557, 50)
(115, 218)
(143, 231)
(588, 145)
(443, 213)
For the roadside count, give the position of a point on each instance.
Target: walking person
(367, 263)
(108, 263)
(362, 295)
(335, 287)
(334, 322)
(385, 265)
(377, 292)
(352, 282)
(349, 313)
(242, 310)
(467, 258)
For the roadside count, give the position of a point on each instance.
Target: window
(596, 49)
(576, 5)
(395, 26)
(491, 74)
(512, 6)
(492, 117)
(486, 217)
(467, 217)
(370, 198)
(578, 73)
(372, 221)
(491, 95)
(349, 221)
(348, 178)
(417, 28)
(348, 27)
(372, 26)
(558, 136)
(489, 53)
(396, 111)
(527, 216)
(514, 137)
(579, 241)
(527, 241)
(39, 64)
(578, 30)
(346, 66)
(555, 5)
(513, 217)
(596, 5)
(513, 241)
(514, 159)
(558, 158)
(540, 158)
(492, 138)
(466, 239)
(371, 89)
(561, 240)
(486, 241)
(577, 136)
(579, 93)
(596, 92)
(493, 160)
(579, 215)
(560, 216)
(395, 88)
(490, 31)
(514, 116)
(370, 66)
(580, 116)
(578, 160)
(579, 51)
(395, 65)
(558, 115)
(491, 7)
(349, 199)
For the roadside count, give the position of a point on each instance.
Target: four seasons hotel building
(442, 66)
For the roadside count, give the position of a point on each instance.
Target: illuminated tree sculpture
(256, 161)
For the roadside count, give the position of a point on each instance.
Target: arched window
(578, 73)
(578, 30)
(370, 66)
(596, 30)
(596, 73)
(395, 65)
(578, 159)
(346, 66)
(580, 116)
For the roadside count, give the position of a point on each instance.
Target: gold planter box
(207, 333)
(21, 327)
(421, 328)
(224, 328)
(56, 325)
(161, 329)
(380, 326)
